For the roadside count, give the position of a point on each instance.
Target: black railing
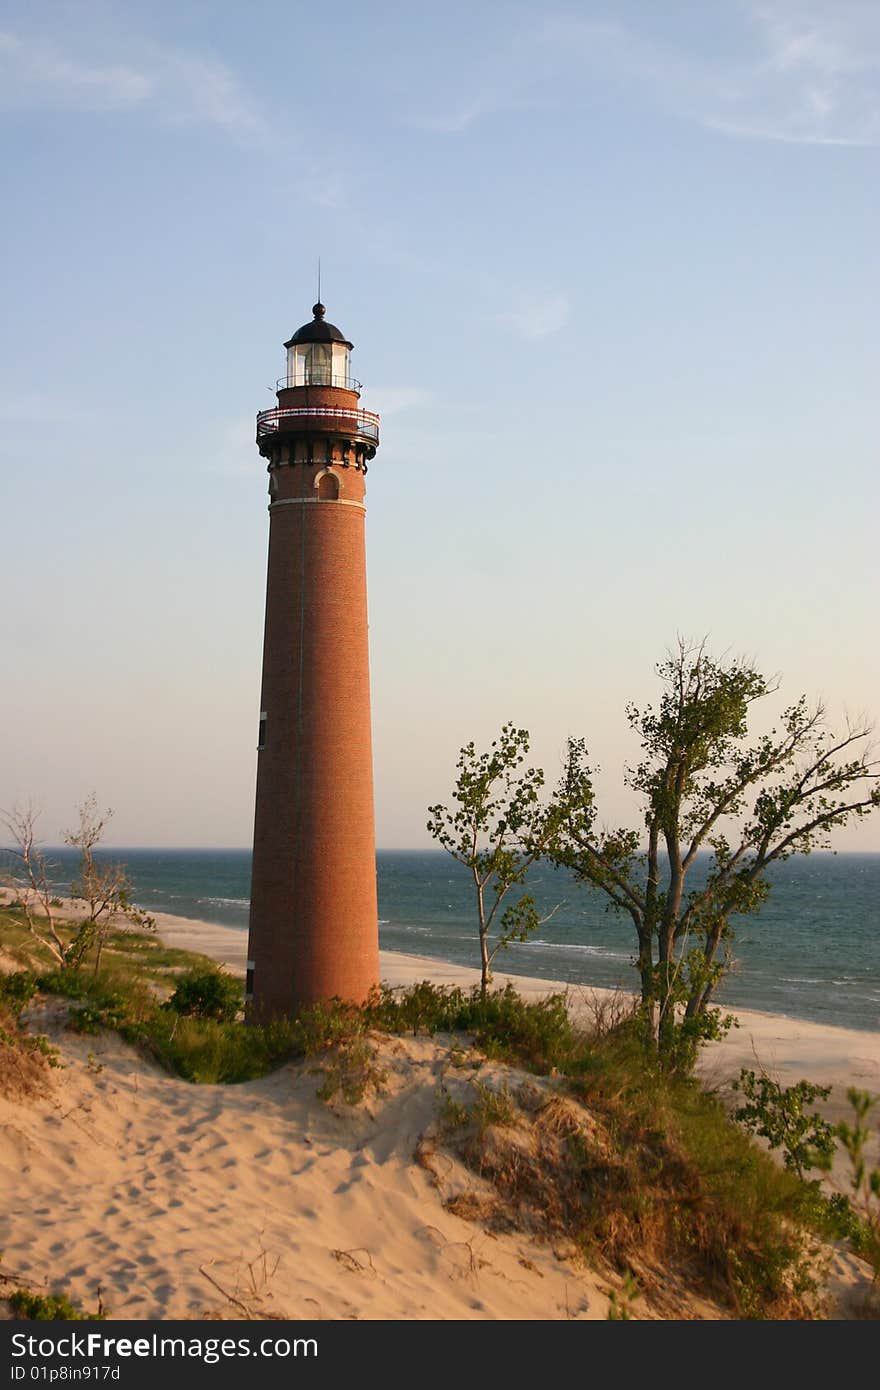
(317, 376)
(362, 422)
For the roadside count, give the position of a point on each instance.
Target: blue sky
(611, 275)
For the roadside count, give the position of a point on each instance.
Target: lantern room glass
(318, 364)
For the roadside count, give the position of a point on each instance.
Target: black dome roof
(318, 331)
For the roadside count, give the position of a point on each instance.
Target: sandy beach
(788, 1048)
(167, 1199)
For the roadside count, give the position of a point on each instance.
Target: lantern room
(318, 354)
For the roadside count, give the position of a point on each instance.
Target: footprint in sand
(347, 1186)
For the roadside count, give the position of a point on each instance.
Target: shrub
(92, 1018)
(647, 1172)
(206, 994)
(779, 1115)
(51, 1307)
(505, 1025)
(864, 1180)
(351, 1071)
(24, 1058)
(18, 989)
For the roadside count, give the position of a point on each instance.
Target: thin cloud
(172, 85)
(817, 77)
(32, 72)
(492, 101)
(809, 73)
(538, 315)
(519, 75)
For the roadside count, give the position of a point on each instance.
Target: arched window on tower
(328, 487)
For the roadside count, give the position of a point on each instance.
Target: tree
(105, 887)
(705, 788)
(28, 879)
(498, 830)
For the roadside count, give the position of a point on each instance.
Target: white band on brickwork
(321, 501)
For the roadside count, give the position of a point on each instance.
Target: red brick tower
(314, 919)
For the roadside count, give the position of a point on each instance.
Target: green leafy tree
(498, 827)
(705, 787)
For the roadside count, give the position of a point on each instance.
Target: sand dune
(260, 1199)
(155, 1191)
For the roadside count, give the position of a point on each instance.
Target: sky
(610, 270)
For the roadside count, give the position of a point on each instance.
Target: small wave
(226, 902)
(384, 921)
(584, 950)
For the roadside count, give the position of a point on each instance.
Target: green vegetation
(24, 1059)
(353, 1070)
(207, 993)
(102, 886)
(778, 1114)
(619, 1304)
(18, 989)
(704, 789)
(50, 1307)
(642, 1171)
(498, 828)
(635, 1164)
(864, 1181)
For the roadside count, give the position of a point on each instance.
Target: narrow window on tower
(261, 741)
(249, 980)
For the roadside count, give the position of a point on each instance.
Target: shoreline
(789, 1049)
(228, 946)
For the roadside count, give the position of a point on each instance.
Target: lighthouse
(314, 920)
